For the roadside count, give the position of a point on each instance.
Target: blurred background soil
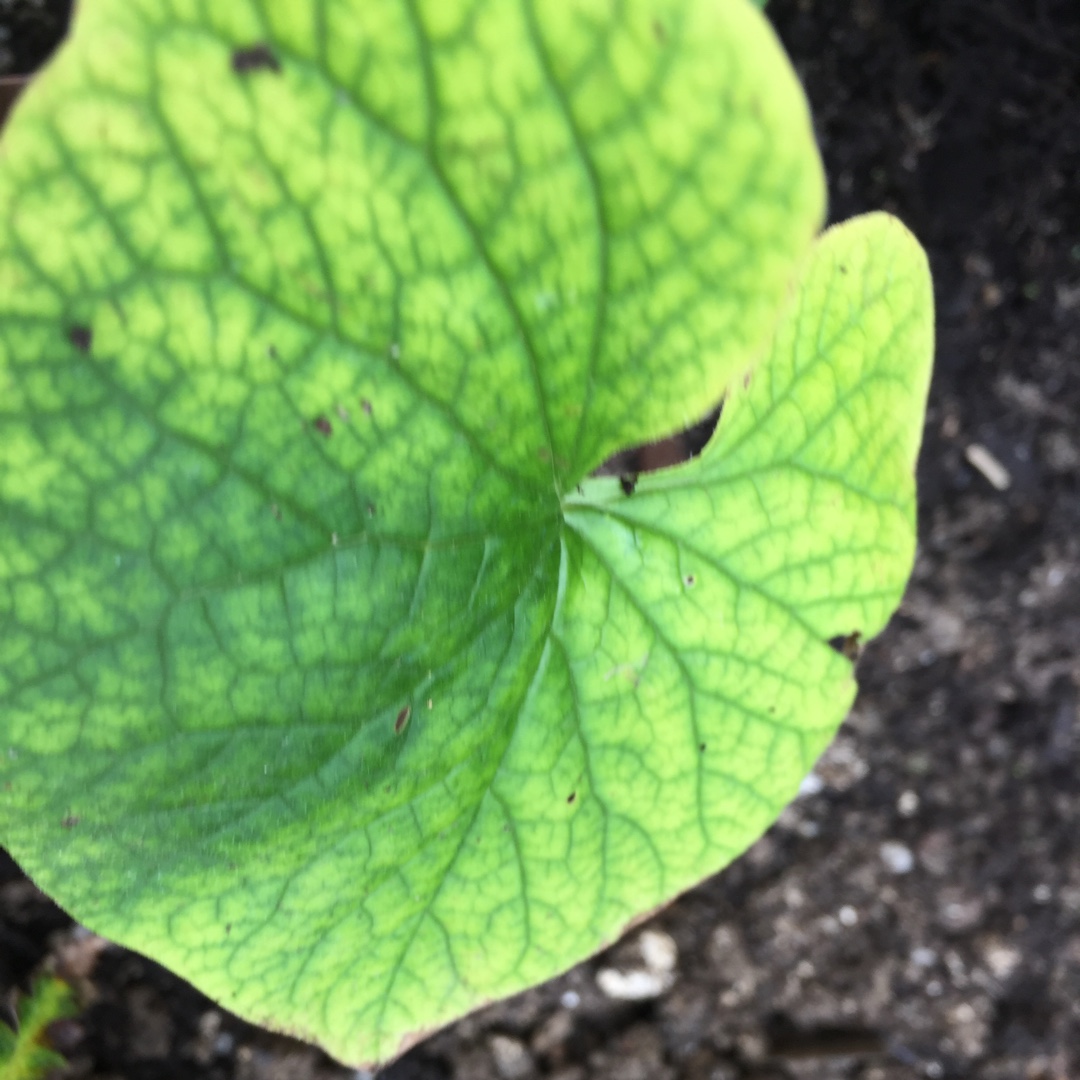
(916, 912)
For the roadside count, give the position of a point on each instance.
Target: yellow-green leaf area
(25, 1054)
(328, 677)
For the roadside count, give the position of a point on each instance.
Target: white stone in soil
(633, 985)
(897, 857)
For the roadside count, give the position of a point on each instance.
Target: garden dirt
(916, 912)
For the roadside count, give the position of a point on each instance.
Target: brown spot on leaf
(322, 425)
(571, 797)
(365, 405)
(69, 822)
(849, 645)
(80, 337)
(258, 57)
(402, 719)
(691, 581)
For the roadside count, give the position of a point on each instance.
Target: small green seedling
(25, 1054)
(329, 675)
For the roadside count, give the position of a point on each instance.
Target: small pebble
(812, 784)
(995, 473)
(512, 1060)
(570, 999)
(908, 804)
(659, 951)
(1002, 960)
(632, 985)
(897, 857)
(847, 915)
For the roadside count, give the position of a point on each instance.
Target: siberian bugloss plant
(330, 676)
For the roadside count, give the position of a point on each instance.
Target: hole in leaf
(254, 58)
(849, 645)
(81, 337)
(627, 465)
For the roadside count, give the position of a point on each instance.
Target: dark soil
(917, 912)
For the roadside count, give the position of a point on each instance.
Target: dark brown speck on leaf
(323, 426)
(628, 483)
(69, 822)
(571, 797)
(80, 337)
(254, 58)
(402, 719)
(365, 405)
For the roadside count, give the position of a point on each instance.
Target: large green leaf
(327, 677)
